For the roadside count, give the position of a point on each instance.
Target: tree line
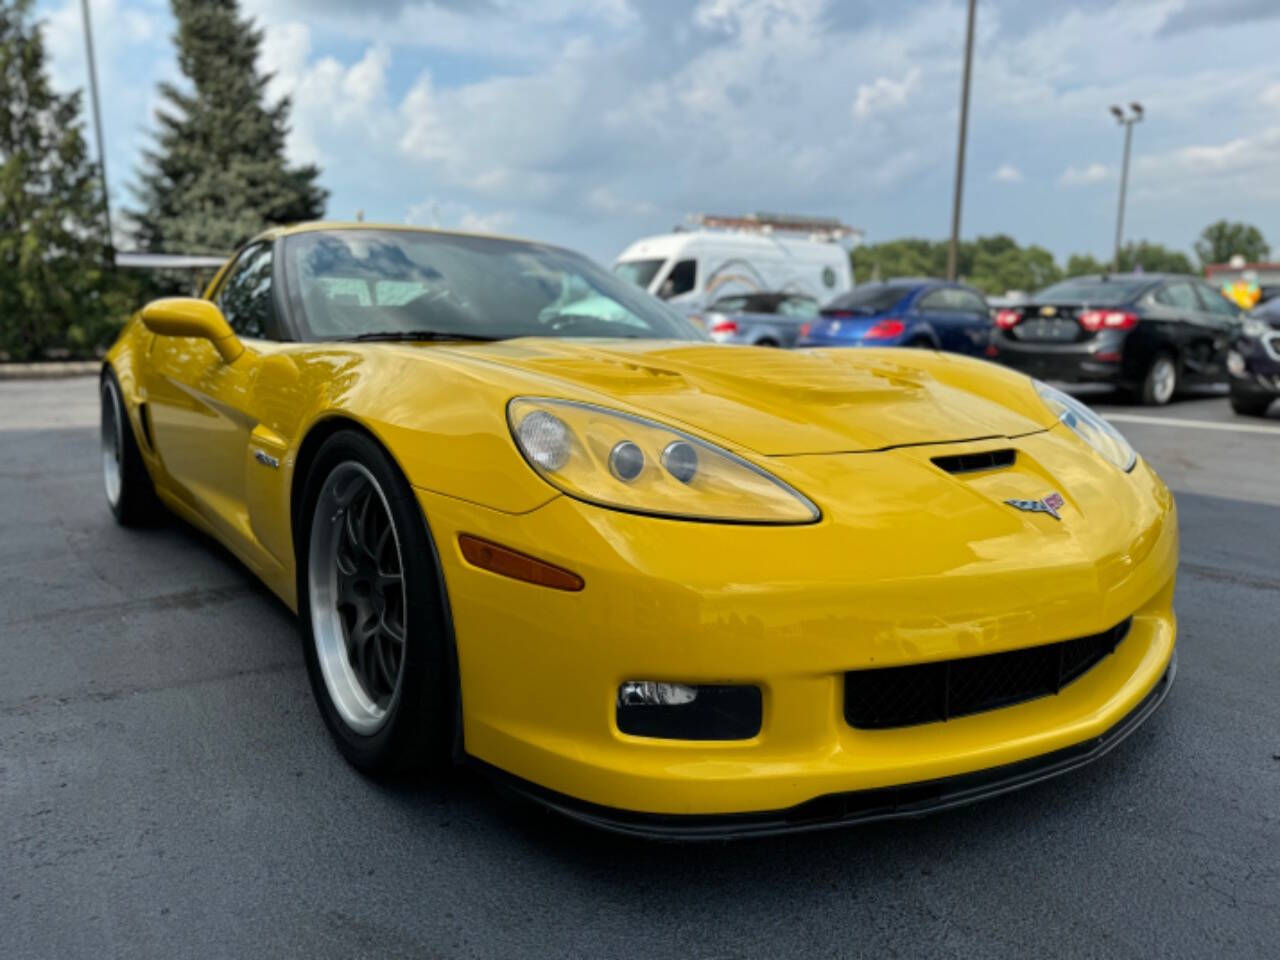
(997, 264)
(214, 175)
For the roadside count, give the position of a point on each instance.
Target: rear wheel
(130, 493)
(921, 343)
(371, 610)
(1161, 381)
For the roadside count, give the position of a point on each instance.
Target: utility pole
(964, 132)
(1127, 121)
(97, 125)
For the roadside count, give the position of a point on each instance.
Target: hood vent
(974, 462)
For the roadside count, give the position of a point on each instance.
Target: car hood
(784, 402)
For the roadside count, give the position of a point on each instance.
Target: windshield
(870, 298)
(348, 283)
(639, 272)
(1094, 291)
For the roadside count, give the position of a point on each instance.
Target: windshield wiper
(438, 336)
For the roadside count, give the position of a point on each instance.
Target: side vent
(974, 462)
(144, 417)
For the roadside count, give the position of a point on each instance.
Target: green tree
(1153, 258)
(1079, 264)
(217, 173)
(1221, 241)
(994, 263)
(54, 288)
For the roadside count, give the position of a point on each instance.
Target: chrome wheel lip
(347, 692)
(1164, 380)
(112, 441)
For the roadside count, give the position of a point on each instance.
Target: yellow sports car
(532, 520)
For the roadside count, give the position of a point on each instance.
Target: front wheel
(130, 493)
(371, 609)
(1249, 404)
(1161, 381)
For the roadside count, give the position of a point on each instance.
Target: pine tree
(53, 285)
(217, 174)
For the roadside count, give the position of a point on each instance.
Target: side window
(1215, 302)
(935, 302)
(245, 296)
(798, 307)
(970, 302)
(682, 279)
(1178, 295)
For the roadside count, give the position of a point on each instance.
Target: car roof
(318, 226)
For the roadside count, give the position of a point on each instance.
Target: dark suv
(1254, 361)
(1150, 333)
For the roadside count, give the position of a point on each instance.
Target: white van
(691, 270)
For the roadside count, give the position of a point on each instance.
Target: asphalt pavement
(167, 788)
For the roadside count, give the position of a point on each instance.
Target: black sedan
(1147, 333)
(1254, 361)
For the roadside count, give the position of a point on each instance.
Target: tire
(355, 497)
(1160, 383)
(130, 493)
(766, 343)
(921, 343)
(1251, 404)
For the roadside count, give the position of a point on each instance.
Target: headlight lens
(1255, 328)
(1090, 427)
(617, 460)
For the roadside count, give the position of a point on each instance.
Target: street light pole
(97, 124)
(1127, 121)
(964, 132)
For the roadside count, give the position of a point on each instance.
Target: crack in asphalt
(1235, 577)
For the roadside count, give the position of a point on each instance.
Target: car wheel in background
(921, 343)
(372, 611)
(1161, 381)
(128, 487)
(1250, 404)
(766, 343)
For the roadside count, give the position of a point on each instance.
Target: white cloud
(606, 201)
(1270, 97)
(1007, 173)
(1085, 175)
(884, 94)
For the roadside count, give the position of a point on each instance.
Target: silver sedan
(759, 319)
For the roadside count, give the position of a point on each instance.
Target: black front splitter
(844, 809)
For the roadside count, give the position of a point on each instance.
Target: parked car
(759, 319)
(1254, 361)
(906, 313)
(1148, 333)
(692, 269)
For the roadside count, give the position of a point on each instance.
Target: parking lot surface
(168, 789)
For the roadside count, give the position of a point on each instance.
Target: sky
(591, 123)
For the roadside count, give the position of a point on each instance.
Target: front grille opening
(928, 692)
(974, 462)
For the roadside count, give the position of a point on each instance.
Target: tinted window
(1110, 292)
(1215, 302)
(349, 282)
(1179, 295)
(681, 280)
(870, 298)
(952, 300)
(731, 305)
(245, 296)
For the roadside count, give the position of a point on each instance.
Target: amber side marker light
(506, 562)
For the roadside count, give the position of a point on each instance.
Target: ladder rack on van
(827, 229)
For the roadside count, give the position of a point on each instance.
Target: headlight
(616, 460)
(1255, 328)
(1090, 427)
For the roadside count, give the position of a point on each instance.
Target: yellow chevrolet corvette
(532, 520)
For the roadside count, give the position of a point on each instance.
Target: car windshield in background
(351, 283)
(639, 272)
(1094, 291)
(870, 298)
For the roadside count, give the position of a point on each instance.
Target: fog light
(636, 693)
(678, 711)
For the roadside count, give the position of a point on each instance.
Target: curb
(48, 371)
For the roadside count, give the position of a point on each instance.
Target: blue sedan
(904, 313)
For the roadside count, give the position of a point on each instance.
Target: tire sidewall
(418, 728)
(1148, 390)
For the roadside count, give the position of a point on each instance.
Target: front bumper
(919, 566)
(1254, 365)
(845, 809)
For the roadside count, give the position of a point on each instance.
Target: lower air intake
(928, 692)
